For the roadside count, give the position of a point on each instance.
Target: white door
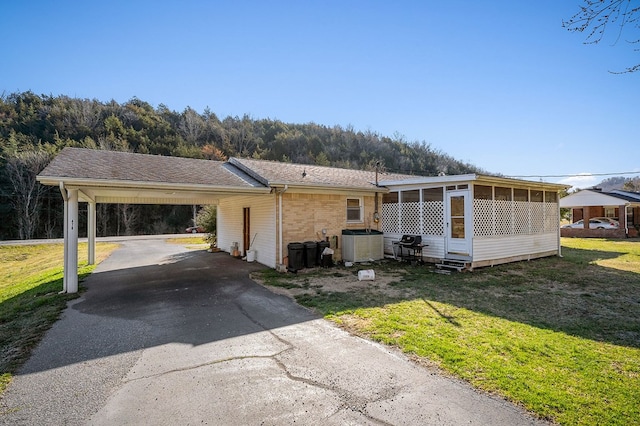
(458, 240)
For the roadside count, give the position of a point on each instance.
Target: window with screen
(354, 210)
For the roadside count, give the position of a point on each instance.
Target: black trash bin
(310, 250)
(296, 256)
(321, 246)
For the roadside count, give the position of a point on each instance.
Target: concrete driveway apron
(167, 336)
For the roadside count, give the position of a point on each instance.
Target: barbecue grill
(412, 244)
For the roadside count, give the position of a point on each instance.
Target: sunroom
(473, 220)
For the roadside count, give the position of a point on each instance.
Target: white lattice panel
(520, 217)
(410, 218)
(433, 217)
(498, 217)
(483, 218)
(551, 221)
(390, 217)
(537, 218)
(503, 217)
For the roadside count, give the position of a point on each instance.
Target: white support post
(91, 232)
(65, 277)
(71, 242)
(63, 191)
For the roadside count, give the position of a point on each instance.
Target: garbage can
(310, 257)
(321, 246)
(296, 254)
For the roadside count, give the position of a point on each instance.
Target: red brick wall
(592, 233)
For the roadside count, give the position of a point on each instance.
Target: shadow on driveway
(191, 297)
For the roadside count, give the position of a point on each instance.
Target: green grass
(559, 336)
(30, 280)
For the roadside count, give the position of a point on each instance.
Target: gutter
(331, 187)
(119, 184)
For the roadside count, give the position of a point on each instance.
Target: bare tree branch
(595, 17)
(22, 169)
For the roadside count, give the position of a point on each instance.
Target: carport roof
(124, 177)
(91, 164)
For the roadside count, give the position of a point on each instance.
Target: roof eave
(328, 187)
(104, 183)
(473, 178)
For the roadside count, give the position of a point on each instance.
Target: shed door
(458, 241)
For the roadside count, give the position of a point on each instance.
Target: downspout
(65, 198)
(376, 211)
(280, 258)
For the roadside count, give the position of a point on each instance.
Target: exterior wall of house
(496, 250)
(262, 225)
(305, 215)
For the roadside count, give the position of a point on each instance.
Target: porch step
(458, 265)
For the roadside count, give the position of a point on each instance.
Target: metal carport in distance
(94, 176)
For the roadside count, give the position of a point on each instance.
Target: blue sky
(499, 84)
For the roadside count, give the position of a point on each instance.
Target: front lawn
(559, 336)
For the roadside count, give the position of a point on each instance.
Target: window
(432, 194)
(482, 192)
(354, 210)
(610, 212)
(502, 193)
(390, 198)
(536, 196)
(411, 196)
(520, 194)
(551, 197)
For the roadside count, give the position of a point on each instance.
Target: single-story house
(265, 205)
(623, 206)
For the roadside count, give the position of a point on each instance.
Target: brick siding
(304, 216)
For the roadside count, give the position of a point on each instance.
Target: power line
(577, 174)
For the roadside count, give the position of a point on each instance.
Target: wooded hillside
(33, 128)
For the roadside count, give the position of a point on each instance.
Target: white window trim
(361, 208)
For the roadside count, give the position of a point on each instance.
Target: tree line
(33, 128)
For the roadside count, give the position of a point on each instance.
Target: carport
(624, 206)
(94, 176)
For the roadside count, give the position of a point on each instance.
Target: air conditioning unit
(361, 245)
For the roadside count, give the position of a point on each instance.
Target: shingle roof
(625, 195)
(277, 173)
(90, 164)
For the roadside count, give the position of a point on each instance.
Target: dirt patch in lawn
(336, 280)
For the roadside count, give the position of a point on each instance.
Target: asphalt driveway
(167, 336)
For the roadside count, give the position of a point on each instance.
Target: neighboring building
(623, 206)
(265, 205)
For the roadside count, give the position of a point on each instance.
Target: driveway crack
(349, 401)
(259, 324)
(205, 364)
